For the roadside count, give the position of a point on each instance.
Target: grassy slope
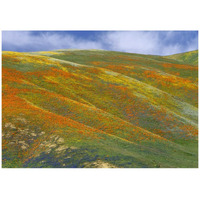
(187, 58)
(98, 109)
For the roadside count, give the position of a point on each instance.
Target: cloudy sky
(144, 42)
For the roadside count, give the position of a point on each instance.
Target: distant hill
(95, 108)
(190, 57)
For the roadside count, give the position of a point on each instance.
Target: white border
(101, 184)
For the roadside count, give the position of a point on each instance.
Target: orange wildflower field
(85, 108)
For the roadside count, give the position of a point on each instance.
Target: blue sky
(144, 42)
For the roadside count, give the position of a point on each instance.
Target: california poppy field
(99, 109)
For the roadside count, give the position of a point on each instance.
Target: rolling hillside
(186, 58)
(95, 108)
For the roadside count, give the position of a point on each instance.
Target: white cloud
(46, 41)
(148, 42)
(171, 49)
(144, 42)
(193, 44)
(135, 42)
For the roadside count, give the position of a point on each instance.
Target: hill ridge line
(111, 115)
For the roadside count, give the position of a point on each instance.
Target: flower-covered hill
(94, 108)
(186, 58)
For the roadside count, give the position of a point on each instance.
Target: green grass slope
(187, 58)
(94, 108)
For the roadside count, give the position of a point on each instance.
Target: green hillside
(190, 58)
(95, 108)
